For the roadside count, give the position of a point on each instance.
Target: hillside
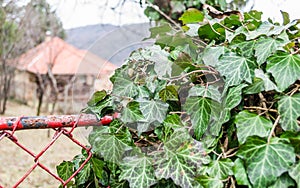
(110, 42)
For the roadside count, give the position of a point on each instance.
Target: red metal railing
(8, 126)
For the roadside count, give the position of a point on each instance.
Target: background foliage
(215, 103)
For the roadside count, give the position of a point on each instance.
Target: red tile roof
(63, 59)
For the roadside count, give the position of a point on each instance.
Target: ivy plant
(215, 104)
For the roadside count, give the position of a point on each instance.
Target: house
(65, 76)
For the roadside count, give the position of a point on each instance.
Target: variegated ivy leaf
(199, 108)
(268, 84)
(236, 68)
(246, 47)
(220, 169)
(266, 161)
(153, 110)
(162, 66)
(240, 173)
(180, 159)
(138, 171)
(285, 68)
(283, 181)
(266, 47)
(210, 182)
(107, 145)
(210, 59)
(124, 87)
(294, 172)
(210, 92)
(169, 93)
(289, 109)
(131, 113)
(249, 124)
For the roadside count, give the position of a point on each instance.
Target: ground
(16, 162)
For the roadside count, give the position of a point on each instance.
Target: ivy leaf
(83, 175)
(98, 167)
(153, 110)
(138, 171)
(285, 17)
(283, 181)
(97, 97)
(233, 96)
(220, 168)
(162, 65)
(294, 138)
(240, 173)
(180, 158)
(246, 48)
(210, 59)
(199, 108)
(267, 83)
(212, 32)
(165, 184)
(108, 145)
(250, 124)
(211, 92)
(256, 87)
(131, 113)
(210, 182)
(192, 15)
(65, 170)
(169, 93)
(236, 68)
(294, 173)
(289, 109)
(285, 68)
(266, 161)
(124, 87)
(266, 47)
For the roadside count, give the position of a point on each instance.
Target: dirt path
(15, 162)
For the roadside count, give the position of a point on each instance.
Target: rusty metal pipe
(52, 121)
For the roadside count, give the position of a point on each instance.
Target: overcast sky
(76, 13)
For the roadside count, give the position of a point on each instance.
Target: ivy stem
(260, 108)
(273, 128)
(155, 7)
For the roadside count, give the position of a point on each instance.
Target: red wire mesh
(8, 126)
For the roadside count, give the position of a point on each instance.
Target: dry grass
(15, 162)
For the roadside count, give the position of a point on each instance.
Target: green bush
(216, 105)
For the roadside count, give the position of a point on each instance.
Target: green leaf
(124, 87)
(250, 124)
(283, 181)
(210, 59)
(294, 138)
(266, 161)
(162, 66)
(84, 174)
(211, 92)
(236, 68)
(165, 184)
(192, 15)
(210, 182)
(246, 48)
(285, 17)
(131, 113)
(212, 32)
(285, 68)
(180, 158)
(107, 145)
(266, 47)
(97, 97)
(240, 173)
(256, 87)
(153, 110)
(267, 83)
(234, 96)
(220, 168)
(138, 171)
(289, 109)
(199, 108)
(294, 173)
(169, 93)
(98, 167)
(65, 170)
